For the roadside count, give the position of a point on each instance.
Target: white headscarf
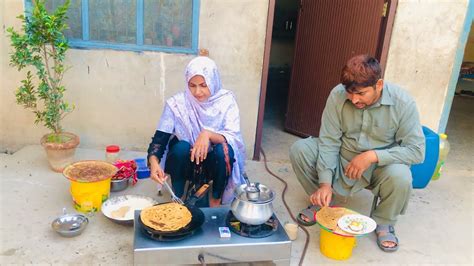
(185, 117)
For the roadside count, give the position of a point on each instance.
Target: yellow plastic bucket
(90, 183)
(88, 197)
(336, 246)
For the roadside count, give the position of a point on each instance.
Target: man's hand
(156, 173)
(322, 196)
(200, 147)
(360, 163)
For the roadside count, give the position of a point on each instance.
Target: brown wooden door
(329, 32)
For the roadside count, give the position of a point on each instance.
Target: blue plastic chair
(422, 173)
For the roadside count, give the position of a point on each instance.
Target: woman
(204, 126)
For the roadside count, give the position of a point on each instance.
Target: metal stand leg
(374, 205)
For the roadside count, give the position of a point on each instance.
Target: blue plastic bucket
(423, 172)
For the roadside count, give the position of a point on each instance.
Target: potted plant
(41, 46)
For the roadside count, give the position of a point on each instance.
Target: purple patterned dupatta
(185, 117)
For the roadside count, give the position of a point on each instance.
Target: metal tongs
(174, 198)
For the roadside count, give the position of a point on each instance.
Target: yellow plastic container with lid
(88, 197)
(90, 183)
(336, 246)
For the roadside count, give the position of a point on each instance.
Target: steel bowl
(70, 225)
(118, 184)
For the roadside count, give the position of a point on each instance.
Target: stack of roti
(329, 216)
(166, 217)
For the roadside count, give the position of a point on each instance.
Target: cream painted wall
(119, 94)
(422, 51)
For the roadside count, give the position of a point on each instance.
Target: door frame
(458, 58)
(382, 49)
(263, 82)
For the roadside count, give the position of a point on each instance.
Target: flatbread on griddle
(166, 217)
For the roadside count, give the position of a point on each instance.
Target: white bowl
(134, 202)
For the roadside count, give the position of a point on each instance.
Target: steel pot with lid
(252, 203)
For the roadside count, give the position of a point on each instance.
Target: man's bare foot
(386, 238)
(307, 216)
(388, 244)
(214, 202)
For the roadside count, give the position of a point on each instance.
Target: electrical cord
(287, 207)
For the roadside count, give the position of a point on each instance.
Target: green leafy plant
(41, 45)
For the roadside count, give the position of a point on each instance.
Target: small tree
(41, 44)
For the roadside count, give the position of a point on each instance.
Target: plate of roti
(328, 217)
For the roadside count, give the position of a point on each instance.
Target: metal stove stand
(207, 243)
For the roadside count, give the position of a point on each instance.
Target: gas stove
(270, 243)
(254, 231)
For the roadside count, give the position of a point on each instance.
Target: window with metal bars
(136, 25)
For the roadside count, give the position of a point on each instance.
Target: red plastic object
(112, 148)
(127, 169)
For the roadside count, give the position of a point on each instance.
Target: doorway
(465, 85)
(460, 124)
(275, 140)
(297, 88)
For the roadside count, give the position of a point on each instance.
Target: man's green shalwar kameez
(391, 127)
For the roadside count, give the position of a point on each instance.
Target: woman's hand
(200, 147)
(156, 173)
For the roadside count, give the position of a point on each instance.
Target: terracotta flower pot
(60, 154)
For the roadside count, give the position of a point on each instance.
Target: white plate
(356, 224)
(134, 202)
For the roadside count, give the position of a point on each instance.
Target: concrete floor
(437, 228)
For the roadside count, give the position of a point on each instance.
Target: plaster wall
(119, 95)
(425, 39)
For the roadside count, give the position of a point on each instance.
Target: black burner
(165, 238)
(252, 231)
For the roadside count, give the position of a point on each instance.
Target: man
(370, 135)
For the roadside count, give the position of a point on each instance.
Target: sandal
(388, 237)
(309, 214)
